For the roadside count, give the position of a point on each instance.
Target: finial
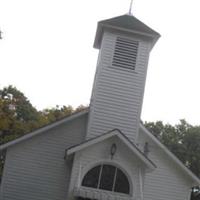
(130, 8)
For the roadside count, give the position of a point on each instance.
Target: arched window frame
(115, 164)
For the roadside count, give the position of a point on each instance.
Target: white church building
(104, 152)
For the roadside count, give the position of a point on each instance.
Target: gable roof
(171, 155)
(86, 111)
(126, 23)
(43, 129)
(115, 132)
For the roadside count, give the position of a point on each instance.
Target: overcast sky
(47, 52)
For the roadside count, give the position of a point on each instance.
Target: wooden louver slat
(125, 53)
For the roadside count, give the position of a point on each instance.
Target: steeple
(127, 24)
(124, 44)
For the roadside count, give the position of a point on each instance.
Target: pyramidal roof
(127, 23)
(131, 23)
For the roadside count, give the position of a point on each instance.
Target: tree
(18, 116)
(57, 113)
(183, 140)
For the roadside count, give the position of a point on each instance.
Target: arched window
(107, 177)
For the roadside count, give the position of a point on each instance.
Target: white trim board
(150, 165)
(43, 129)
(171, 155)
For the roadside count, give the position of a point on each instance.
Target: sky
(47, 52)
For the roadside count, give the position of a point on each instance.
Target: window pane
(107, 177)
(122, 183)
(92, 177)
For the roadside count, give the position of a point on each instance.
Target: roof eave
(101, 27)
(195, 179)
(150, 165)
(42, 129)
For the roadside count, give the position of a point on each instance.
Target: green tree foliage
(56, 113)
(18, 116)
(183, 140)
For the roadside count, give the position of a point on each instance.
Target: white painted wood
(150, 166)
(43, 129)
(141, 175)
(168, 180)
(117, 92)
(100, 153)
(35, 168)
(194, 178)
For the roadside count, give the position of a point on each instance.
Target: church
(103, 152)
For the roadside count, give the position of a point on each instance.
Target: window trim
(118, 166)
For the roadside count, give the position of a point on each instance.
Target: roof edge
(115, 132)
(43, 129)
(107, 23)
(171, 155)
(114, 20)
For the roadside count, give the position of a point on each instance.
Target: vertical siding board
(36, 169)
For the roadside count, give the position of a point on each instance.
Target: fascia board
(172, 156)
(110, 134)
(90, 142)
(41, 130)
(138, 153)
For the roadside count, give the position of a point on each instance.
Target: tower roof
(126, 23)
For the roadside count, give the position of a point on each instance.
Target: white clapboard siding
(168, 180)
(118, 87)
(36, 168)
(99, 153)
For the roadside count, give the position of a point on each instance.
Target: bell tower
(124, 45)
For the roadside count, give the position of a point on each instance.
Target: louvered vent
(125, 53)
